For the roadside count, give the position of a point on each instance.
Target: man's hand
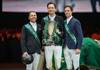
(77, 51)
(25, 54)
(57, 30)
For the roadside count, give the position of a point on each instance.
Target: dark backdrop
(14, 21)
(90, 21)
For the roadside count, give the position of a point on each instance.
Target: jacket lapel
(68, 30)
(30, 28)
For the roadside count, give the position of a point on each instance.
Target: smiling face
(32, 16)
(68, 12)
(51, 9)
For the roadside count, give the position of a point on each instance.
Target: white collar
(52, 17)
(32, 23)
(68, 19)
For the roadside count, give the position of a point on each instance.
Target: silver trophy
(51, 26)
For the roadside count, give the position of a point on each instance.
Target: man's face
(68, 12)
(51, 9)
(33, 16)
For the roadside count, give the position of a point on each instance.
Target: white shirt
(52, 17)
(34, 25)
(68, 19)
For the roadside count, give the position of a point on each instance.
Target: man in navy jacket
(72, 39)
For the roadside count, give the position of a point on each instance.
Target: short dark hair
(71, 8)
(31, 12)
(51, 3)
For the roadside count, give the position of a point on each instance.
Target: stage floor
(12, 66)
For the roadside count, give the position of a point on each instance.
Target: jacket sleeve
(79, 33)
(42, 34)
(61, 27)
(23, 40)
